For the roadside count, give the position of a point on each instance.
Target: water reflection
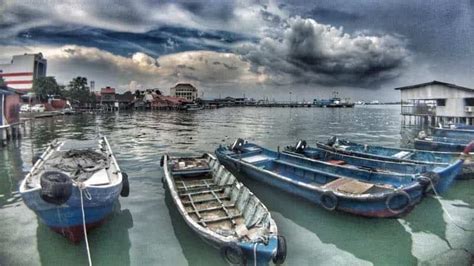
(54, 249)
(11, 173)
(376, 240)
(159, 235)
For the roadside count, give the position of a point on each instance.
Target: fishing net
(79, 164)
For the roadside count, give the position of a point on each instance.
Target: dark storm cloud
(163, 40)
(314, 53)
(218, 10)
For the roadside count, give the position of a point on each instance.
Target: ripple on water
(145, 229)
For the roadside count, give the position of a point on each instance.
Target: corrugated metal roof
(435, 82)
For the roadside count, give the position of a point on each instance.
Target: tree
(45, 87)
(79, 91)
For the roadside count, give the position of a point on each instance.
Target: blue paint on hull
(421, 157)
(69, 214)
(371, 206)
(443, 146)
(264, 253)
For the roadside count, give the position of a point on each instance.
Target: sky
(362, 49)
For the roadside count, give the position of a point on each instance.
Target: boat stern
(259, 253)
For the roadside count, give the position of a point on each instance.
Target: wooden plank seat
(225, 197)
(348, 185)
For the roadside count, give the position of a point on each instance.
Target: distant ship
(334, 102)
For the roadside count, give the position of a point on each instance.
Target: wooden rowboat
(222, 210)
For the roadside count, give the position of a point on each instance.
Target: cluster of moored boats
(73, 185)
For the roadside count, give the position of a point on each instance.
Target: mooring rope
(84, 222)
(255, 254)
(437, 196)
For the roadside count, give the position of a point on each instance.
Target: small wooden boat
(446, 172)
(334, 187)
(462, 134)
(441, 144)
(223, 211)
(74, 182)
(412, 156)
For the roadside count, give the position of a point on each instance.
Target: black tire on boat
(280, 256)
(425, 182)
(434, 179)
(162, 161)
(300, 146)
(237, 145)
(36, 157)
(393, 197)
(331, 141)
(329, 200)
(56, 187)
(233, 254)
(125, 186)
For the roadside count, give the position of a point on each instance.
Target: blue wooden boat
(446, 173)
(441, 144)
(222, 211)
(412, 156)
(462, 134)
(334, 187)
(74, 184)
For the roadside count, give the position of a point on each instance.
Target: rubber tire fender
(280, 256)
(56, 187)
(328, 197)
(300, 146)
(125, 186)
(233, 254)
(394, 195)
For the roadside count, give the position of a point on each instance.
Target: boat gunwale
(384, 157)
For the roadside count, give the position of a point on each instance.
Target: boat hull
(446, 173)
(420, 157)
(66, 219)
(431, 145)
(255, 253)
(373, 207)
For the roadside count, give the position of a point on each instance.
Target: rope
(255, 254)
(437, 196)
(84, 224)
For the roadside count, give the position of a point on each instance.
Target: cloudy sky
(361, 48)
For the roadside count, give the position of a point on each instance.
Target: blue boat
(441, 144)
(356, 191)
(74, 185)
(413, 156)
(446, 173)
(222, 211)
(462, 134)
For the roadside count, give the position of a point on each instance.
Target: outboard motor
(238, 145)
(56, 187)
(300, 146)
(331, 141)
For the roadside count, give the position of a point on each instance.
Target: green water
(145, 229)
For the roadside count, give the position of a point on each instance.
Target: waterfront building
(9, 113)
(184, 90)
(107, 97)
(437, 102)
(20, 72)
